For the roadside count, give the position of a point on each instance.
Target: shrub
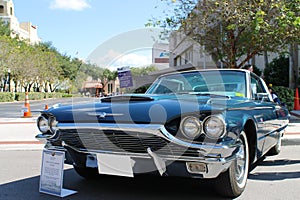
(286, 95)
(277, 72)
(6, 97)
(53, 95)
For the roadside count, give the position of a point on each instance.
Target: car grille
(122, 142)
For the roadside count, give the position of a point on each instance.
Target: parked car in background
(208, 124)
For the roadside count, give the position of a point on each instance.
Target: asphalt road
(276, 177)
(14, 109)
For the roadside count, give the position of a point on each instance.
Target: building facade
(24, 30)
(160, 55)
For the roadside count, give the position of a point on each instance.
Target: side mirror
(262, 96)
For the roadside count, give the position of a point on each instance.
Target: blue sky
(78, 27)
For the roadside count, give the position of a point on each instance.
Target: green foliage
(53, 95)
(234, 31)
(286, 96)
(257, 71)
(6, 97)
(20, 96)
(4, 28)
(108, 75)
(48, 68)
(142, 71)
(277, 72)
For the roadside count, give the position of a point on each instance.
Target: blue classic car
(209, 124)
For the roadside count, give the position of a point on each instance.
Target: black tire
(233, 182)
(277, 148)
(87, 172)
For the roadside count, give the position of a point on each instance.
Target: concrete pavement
(19, 133)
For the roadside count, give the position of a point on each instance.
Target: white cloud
(77, 5)
(113, 59)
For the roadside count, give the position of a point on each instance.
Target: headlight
(52, 124)
(190, 127)
(214, 127)
(42, 124)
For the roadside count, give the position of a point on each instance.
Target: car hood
(140, 108)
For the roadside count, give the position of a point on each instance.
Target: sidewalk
(292, 133)
(19, 133)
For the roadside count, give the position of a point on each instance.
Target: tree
(107, 76)
(235, 31)
(142, 71)
(276, 72)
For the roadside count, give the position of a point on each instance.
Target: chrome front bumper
(216, 157)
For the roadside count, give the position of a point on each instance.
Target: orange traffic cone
(46, 107)
(26, 108)
(296, 100)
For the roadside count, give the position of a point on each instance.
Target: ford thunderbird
(208, 124)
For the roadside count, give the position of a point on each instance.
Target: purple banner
(125, 78)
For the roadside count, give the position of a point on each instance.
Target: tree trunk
(296, 64)
(266, 58)
(291, 67)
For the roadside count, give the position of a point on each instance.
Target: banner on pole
(125, 78)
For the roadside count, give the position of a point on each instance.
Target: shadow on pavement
(279, 162)
(274, 176)
(111, 187)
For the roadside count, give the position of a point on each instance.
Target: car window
(229, 83)
(257, 87)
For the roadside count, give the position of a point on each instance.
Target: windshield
(223, 82)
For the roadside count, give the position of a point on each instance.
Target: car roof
(205, 70)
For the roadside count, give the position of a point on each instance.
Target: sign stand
(51, 180)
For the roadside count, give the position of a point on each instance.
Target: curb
(295, 114)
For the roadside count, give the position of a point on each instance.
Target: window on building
(1, 9)
(177, 61)
(11, 11)
(188, 55)
(109, 88)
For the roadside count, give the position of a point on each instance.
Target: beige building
(188, 54)
(23, 30)
(160, 55)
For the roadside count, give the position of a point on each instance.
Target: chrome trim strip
(145, 128)
(154, 129)
(251, 108)
(104, 114)
(210, 158)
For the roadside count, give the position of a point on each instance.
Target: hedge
(20, 96)
(6, 97)
(286, 96)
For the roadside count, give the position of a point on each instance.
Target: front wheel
(233, 182)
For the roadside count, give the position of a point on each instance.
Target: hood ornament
(102, 115)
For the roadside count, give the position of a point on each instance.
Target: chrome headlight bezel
(52, 124)
(190, 127)
(214, 127)
(43, 124)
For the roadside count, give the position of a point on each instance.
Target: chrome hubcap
(240, 164)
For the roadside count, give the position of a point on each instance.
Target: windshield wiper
(210, 95)
(201, 94)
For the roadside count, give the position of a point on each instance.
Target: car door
(266, 117)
